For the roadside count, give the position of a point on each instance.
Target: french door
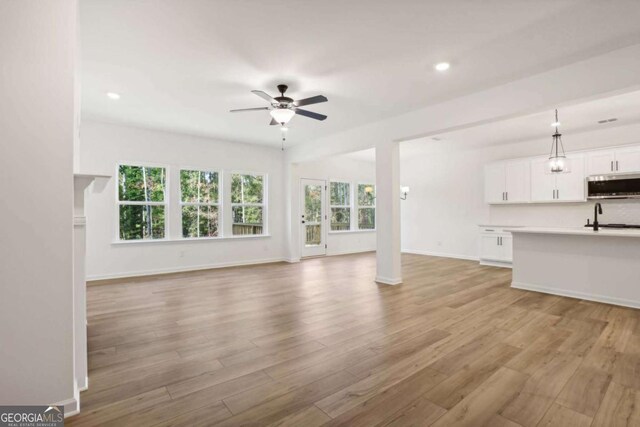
(313, 217)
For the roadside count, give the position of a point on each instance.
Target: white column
(389, 268)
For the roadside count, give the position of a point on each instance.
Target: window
(247, 204)
(141, 202)
(340, 203)
(199, 197)
(366, 207)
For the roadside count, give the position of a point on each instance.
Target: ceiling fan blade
(273, 122)
(265, 96)
(309, 114)
(313, 100)
(248, 109)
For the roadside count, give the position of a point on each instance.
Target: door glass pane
(313, 214)
(313, 203)
(313, 235)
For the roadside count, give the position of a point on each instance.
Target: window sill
(188, 239)
(352, 231)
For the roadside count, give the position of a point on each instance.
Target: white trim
(388, 281)
(353, 231)
(578, 295)
(183, 269)
(496, 263)
(190, 239)
(71, 406)
(351, 252)
(85, 386)
(291, 260)
(440, 254)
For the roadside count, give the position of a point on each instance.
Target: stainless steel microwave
(614, 186)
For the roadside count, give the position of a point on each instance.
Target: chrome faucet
(597, 209)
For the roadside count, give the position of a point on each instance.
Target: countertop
(576, 231)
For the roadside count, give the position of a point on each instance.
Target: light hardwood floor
(319, 343)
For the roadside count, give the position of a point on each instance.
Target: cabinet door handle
(500, 241)
(497, 241)
(617, 166)
(554, 194)
(611, 165)
(506, 196)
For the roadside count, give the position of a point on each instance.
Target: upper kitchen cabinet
(558, 187)
(507, 182)
(611, 161)
(628, 159)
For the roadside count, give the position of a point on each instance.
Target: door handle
(506, 195)
(617, 166)
(611, 165)
(303, 221)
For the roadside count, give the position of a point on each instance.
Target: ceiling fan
(283, 108)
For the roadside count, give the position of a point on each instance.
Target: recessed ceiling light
(442, 66)
(113, 95)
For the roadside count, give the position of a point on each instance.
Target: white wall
(446, 202)
(104, 145)
(346, 169)
(37, 47)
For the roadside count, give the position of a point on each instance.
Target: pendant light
(557, 158)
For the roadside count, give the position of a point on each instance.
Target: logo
(31, 416)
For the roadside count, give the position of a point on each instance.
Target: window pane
(366, 195)
(246, 188)
(141, 222)
(340, 219)
(141, 184)
(247, 220)
(366, 218)
(339, 193)
(199, 186)
(313, 203)
(199, 221)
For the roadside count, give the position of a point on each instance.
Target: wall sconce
(404, 191)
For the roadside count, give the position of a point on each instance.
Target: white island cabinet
(601, 266)
(495, 246)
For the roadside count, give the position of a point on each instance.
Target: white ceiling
(180, 65)
(574, 119)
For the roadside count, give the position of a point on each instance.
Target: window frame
(165, 203)
(219, 204)
(349, 206)
(264, 205)
(358, 207)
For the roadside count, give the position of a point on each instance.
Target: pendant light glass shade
(282, 115)
(557, 158)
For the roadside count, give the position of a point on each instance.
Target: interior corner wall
(103, 145)
(37, 47)
(446, 204)
(341, 168)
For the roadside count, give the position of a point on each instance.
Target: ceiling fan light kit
(282, 108)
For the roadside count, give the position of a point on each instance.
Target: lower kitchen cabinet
(496, 247)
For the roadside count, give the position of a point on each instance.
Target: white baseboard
(71, 406)
(181, 269)
(579, 295)
(440, 254)
(291, 260)
(496, 263)
(388, 280)
(350, 252)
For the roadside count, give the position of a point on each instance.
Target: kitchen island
(601, 266)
